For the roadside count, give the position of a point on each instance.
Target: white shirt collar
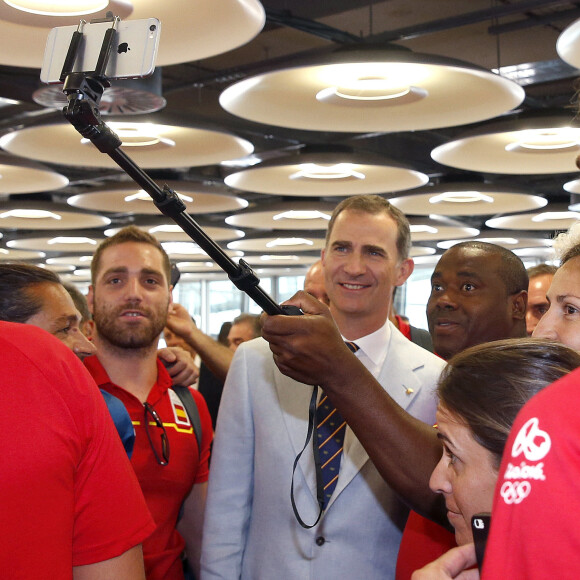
(375, 345)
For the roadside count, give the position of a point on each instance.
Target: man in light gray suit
(250, 530)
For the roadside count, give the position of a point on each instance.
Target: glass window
(417, 291)
(189, 295)
(225, 302)
(288, 286)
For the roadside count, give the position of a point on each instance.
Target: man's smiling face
(362, 267)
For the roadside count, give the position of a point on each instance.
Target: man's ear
(170, 298)
(91, 298)
(405, 268)
(519, 304)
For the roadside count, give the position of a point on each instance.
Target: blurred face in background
(562, 320)
(537, 302)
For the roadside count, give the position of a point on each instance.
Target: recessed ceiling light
(461, 197)
(289, 242)
(302, 215)
(59, 7)
(545, 140)
(71, 240)
(555, 215)
(181, 248)
(423, 229)
(336, 171)
(267, 258)
(30, 214)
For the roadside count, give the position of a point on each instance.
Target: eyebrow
(372, 247)
(125, 270)
(442, 437)
(563, 297)
(460, 274)
(65, 318)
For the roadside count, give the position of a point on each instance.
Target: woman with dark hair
(480, 393)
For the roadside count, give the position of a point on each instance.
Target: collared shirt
(373, 348)
(164, 487)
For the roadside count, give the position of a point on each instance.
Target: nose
(81, 346)
(133, 289)
(547, 327)
(445, 300)
(354, 264)
(439, 481)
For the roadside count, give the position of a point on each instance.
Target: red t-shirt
(165, 487)
(69, 495)
(423, 541)
(534, 531)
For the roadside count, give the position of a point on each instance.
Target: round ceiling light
(370, 89)
(323, 174)
(198, 199)
(169, 146)
(59, 7)
(191, 31)
(459, 199)
(308, 215)
(23, 176)
(568, 44)
(557, 219)
(528, 145)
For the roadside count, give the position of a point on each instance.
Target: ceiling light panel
(373, 90)
(525, 146)
(326, 174)
(466, 199)
(190, 32)
(301, 215)
(198, 199)
(169, 146)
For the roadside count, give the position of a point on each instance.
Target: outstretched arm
(216, 356)
(310, 349)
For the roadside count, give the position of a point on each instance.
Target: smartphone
(480, 527)
(132, 56)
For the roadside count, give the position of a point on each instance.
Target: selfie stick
(84, 91)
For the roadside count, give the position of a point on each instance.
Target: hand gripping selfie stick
(84, 91)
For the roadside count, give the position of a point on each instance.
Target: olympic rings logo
(514, 492)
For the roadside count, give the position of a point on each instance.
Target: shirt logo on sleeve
(534, 444)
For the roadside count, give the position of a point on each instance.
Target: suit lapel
(294, 399)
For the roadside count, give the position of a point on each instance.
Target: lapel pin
(408, 390)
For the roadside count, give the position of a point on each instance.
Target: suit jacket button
(320, 541)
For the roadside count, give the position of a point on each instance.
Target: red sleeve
(111, 514)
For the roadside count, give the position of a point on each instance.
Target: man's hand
(179, 322)
(452, 564)
(306, 348)
(181, 367)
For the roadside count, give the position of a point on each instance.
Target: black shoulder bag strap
(186, 398)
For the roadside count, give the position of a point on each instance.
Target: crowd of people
(406, 447)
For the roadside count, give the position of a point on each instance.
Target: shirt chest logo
(179, 412)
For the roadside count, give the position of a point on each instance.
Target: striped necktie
(330, 429)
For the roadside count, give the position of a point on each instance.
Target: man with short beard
(129, 298)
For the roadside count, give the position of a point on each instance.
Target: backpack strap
(190, 405)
